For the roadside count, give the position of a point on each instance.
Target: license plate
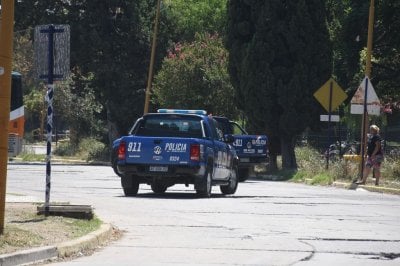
(245, 160)
(158, 168)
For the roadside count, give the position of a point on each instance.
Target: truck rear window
(170, 126)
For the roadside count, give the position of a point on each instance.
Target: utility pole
(153, 52)
(6, 49)
(367, 74)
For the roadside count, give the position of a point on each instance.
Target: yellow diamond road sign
(323, 95)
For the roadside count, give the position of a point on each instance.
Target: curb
(27, 256)
(62, 250)
(387, 190)
(352, 186)
(87, 242)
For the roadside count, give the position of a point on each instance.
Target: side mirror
(228, 138)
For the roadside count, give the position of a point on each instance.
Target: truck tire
(243, 174)
(130, 185)
(158, 187)
(231, 188)
(203, 188)
(114, 160)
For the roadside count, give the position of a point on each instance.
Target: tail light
(122, 151)
(195, 152)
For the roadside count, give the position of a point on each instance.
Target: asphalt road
(264, 223)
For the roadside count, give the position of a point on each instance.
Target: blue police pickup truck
(252, 150)
(176, 147)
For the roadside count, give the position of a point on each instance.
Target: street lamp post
(153, 52)
(368, 74)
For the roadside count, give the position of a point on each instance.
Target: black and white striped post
(49, 127)
(49, 99)
(50, 76)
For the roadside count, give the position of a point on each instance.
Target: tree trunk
(288, 154)
(274, 150)
(273, 164)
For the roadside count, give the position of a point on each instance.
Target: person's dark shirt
(372, 144)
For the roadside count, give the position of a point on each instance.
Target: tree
(386, 51)
(188, 17)
(280, 53)
(34, 91)
(110, 43)
(348, 22)
(349, 34)
(194, 76)
(82, 119)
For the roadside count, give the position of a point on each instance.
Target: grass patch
(322, 179)
(25, 229)
(300, 176)
(391, 168)
(312, 166)
(89, 149)
(15, 237)
(82, 227)
(31, 157)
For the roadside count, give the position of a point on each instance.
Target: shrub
(322, 179)
(312, 165)
(91, 149)
(391, 168)
(65, 149)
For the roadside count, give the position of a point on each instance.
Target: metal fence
(321, 140)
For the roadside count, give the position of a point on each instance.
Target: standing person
(375, 155)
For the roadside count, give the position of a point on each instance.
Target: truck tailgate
(158, 150)
(250, 145)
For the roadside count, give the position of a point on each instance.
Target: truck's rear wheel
(114, 160)
(203, 189)
(231, 188)
(130, 185)
(158, 187)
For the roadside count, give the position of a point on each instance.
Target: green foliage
(280, 53)
(88, 149)
(83, 227)
(348, 23)
(195, 16)
(391, 168)
(78, 108)
(279, 56)
(109, 43)
(91, 149)
(34, 91)
(115, 51)
(321, 179)
(312, 165)
(312, 169)
(299, 176)
(65, 149)
(31, 157)
(194, 76)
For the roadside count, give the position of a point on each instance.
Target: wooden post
(6, 49)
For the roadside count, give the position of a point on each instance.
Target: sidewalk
(369, 187)
(342, 184)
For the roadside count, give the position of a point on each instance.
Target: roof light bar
(182, 111)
